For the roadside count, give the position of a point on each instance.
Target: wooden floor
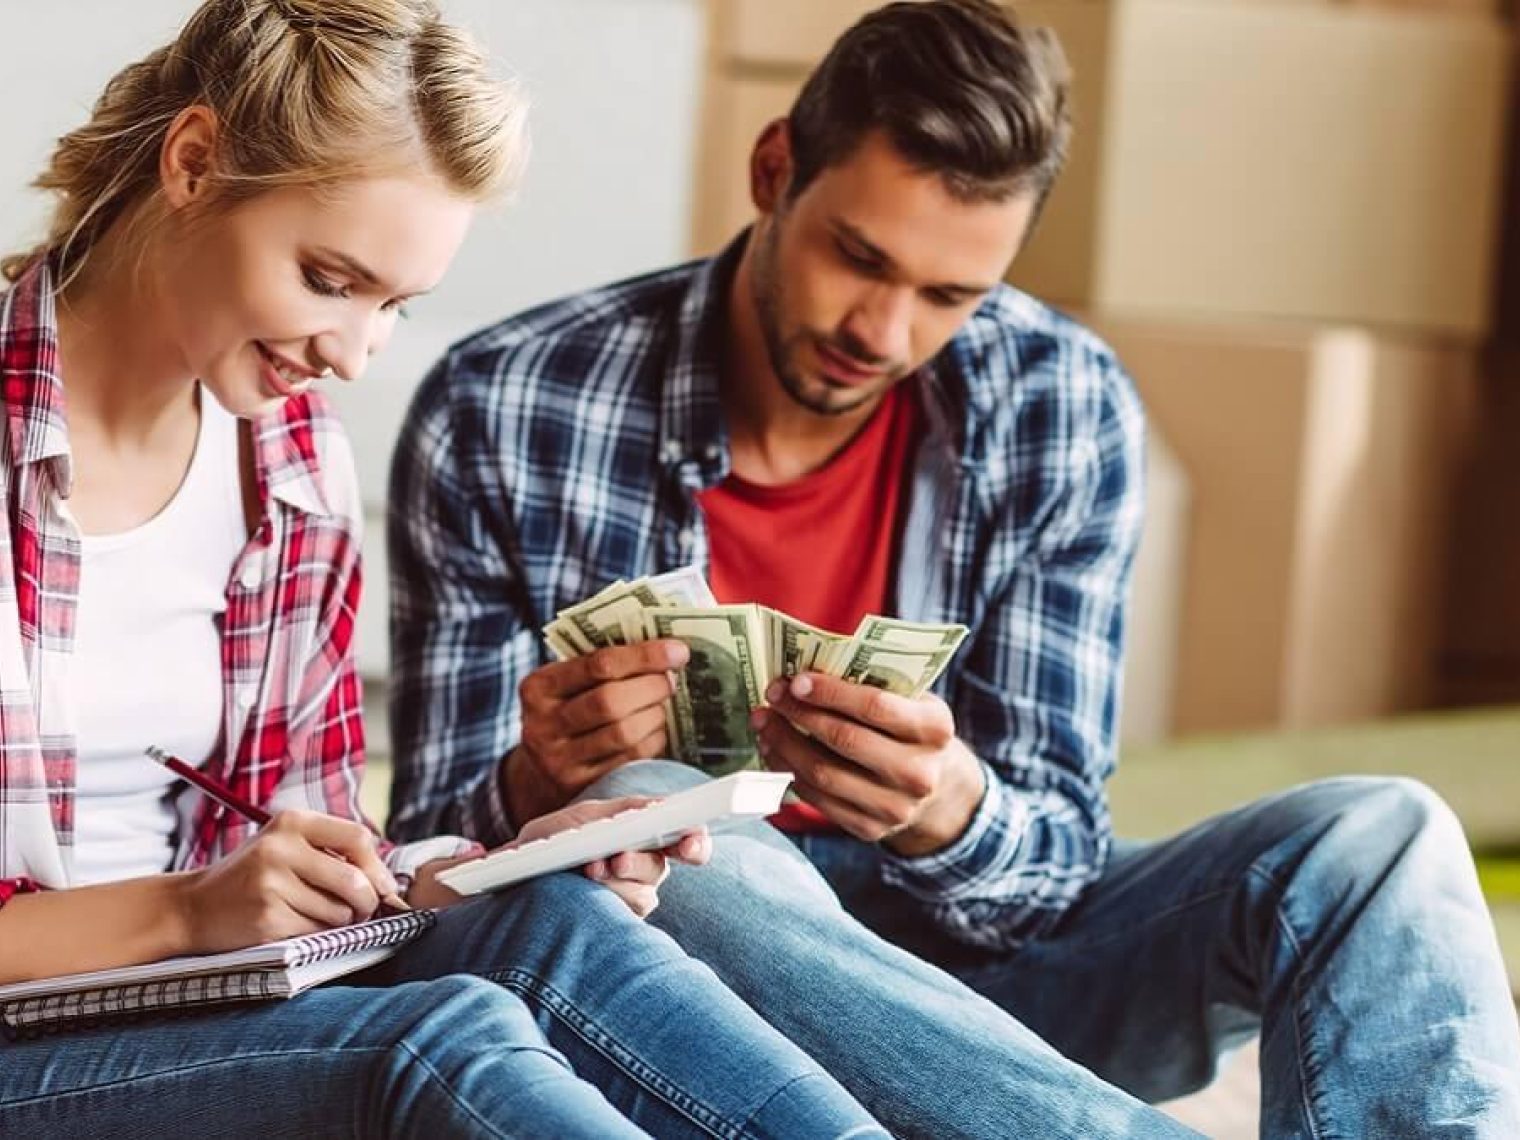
(1227, 1109)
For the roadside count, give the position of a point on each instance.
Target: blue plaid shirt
(564, 448)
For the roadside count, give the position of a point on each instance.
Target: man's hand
(584, 717)
(885, 768)
(634, 876)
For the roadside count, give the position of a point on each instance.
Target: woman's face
(265, 297)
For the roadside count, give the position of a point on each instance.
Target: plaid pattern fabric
(292, 700)
(564, 448)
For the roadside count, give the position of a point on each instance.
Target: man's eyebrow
(845, 230)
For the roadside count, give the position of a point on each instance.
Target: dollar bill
(906, 672)
(685, 586)
(794, 646)
(605, 619)
(909, 634)
(724, 679)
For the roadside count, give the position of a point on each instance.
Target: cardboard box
(738, 107)
(1231, 160)
(1481, 662)
(1283, 161)
(1321, 464)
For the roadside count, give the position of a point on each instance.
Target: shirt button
(672, 451)
(711, 452)
(245, 697)
(251, 576)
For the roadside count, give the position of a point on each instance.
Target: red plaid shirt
(291, 698)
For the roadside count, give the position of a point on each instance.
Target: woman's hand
(287, 880)
(634, 876)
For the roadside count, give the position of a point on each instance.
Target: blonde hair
(305, 92)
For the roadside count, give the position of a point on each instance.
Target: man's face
(870, 271)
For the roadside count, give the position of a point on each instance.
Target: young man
(844, 413)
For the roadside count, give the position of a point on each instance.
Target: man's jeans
(512, 1018)
(1341, 920)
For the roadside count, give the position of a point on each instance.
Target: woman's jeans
(544, 1011)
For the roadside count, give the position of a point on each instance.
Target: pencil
(251, 812)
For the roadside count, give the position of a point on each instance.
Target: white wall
(614, 86)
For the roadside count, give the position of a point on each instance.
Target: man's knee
(1378, 822)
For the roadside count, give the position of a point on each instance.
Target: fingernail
(677, 654)
(775, 691)
(390, 885)
(759, 719)
(802, 686)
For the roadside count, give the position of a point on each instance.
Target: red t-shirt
(822, 548)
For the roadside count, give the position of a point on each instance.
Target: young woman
(248, 210)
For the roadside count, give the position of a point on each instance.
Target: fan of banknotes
(737, 650)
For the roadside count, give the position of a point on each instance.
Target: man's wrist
(522, 790)
(506, 791)
(951, 811)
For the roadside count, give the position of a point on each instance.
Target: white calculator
(647, 828)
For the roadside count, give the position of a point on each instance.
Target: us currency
(737, 650)
(902, 657)
(906, 672)
(921, 636)
(707, 718)
(685, 586)
(604, 619)
(796, 647)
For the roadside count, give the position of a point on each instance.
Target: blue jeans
(1342, 921)
(548, 1010)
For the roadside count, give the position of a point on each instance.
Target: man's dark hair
(958, 87)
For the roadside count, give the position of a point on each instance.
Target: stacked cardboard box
(1284, 215)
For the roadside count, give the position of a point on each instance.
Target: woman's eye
(398, 307)
(321, 285)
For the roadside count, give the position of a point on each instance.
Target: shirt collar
(33, 392)
(286, 458)
(285, 452)
(691, 413)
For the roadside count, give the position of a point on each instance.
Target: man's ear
(185, 160)
(770, 166)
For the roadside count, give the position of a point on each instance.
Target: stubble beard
(782, 350)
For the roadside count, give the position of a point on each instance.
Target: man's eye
(859, 260)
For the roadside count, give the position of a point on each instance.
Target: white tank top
(146, 666)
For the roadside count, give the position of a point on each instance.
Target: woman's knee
(645, 778)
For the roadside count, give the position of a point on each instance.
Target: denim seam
(448, 1088)
(1310, 1066)
(563, 1009)
(179, 1070)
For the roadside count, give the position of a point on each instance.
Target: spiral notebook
(179, 985)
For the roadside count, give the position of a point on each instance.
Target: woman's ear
(184, 164)
(770, 166)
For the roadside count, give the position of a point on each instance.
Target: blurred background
(1294, 220)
